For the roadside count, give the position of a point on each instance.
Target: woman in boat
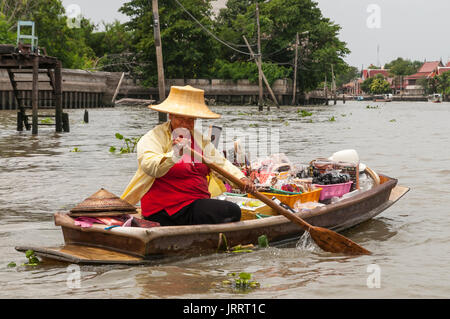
(173, 186)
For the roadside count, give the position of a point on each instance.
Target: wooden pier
(25, 67)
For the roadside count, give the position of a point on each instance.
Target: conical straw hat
(186, 101)
(103, 201)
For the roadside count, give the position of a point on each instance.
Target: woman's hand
(179, 144)
(248, 186)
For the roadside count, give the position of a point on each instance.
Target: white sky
(414, 29)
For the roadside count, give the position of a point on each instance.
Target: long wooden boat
(134, 245)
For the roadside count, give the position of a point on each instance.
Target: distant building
(426, 71)
(353, 87)
(408, 85)
(370, 73)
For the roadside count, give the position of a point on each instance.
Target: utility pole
(159, 58)
(294, 89)
(262, 73)
(261, 99)
(333, 83)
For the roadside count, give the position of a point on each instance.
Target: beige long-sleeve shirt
(154, 155)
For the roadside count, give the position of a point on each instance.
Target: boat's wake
(307, 244)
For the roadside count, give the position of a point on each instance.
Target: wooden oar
(326, 239)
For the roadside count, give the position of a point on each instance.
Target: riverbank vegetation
(196, 43)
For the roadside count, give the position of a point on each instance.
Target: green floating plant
(75, 150)
(263, 242)
(304, 113)
(241, 281)
(32, 259)
(129, 144)
(47, 120)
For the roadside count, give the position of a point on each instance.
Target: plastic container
(329, 191)
(235, 194)
(282, 192)
(290, 200)
(249, 212)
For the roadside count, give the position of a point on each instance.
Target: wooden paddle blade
(333, 242)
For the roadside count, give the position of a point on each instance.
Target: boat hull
(149, 244)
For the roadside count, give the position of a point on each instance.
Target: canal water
(40, 175)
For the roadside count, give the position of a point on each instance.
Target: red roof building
(428, 69)
(370, 73)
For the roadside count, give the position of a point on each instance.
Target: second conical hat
(186, 101)
(103, 201)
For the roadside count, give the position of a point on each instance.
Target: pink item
(329, 191)
(128, 222)
(86, 222)
(228, 187)
(110, 221)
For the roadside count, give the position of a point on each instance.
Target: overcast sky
(413, 29)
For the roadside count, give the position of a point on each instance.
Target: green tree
(280, 20)
(347, 75)
(189, 51)
(443, 83)
(68, 44)
(248, 70)
(380, 86)
(366, 86)
(13, 10)
(59, 40)
(113, 48)
(6, 36)
(399, 68)
(429, 85)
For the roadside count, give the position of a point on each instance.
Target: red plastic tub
(329, 191)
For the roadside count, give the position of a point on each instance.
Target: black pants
(201, 211)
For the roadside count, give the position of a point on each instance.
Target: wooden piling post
(65, 122)
(35, 96)
(58, 97)
(19, 121)
(86, 116)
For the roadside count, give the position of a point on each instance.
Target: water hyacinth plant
(32, 260)
(129, 144)
(303, 113)
(241, 281)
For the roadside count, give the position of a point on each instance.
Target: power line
(209, 32)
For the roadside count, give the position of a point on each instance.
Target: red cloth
(184, 183)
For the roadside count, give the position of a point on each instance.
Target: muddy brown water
(39, 175)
